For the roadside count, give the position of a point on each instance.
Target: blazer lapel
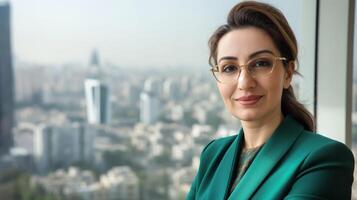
(221, 179)
(270, 154)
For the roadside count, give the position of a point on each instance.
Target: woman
(276, 154)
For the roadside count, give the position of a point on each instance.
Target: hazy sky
(133, 33)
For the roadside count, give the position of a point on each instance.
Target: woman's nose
(245, 80)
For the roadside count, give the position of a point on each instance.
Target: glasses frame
(215, 68)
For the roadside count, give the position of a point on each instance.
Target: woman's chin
(249, 116)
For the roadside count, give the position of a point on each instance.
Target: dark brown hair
(273, 22)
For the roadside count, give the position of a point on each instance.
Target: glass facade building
(6, 81)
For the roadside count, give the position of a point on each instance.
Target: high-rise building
(150, 101)
(97, 99)
(149, 108)
(43, 148)
(62, 145)
(97, 94)
(171, 90)
(6, 81)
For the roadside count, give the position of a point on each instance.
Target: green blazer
(294, 164)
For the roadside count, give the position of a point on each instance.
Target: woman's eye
(262, 63)
(229, 69)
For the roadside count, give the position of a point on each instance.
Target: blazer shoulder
(326, 150)
(326, 169)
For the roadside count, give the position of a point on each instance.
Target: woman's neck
(256, 133)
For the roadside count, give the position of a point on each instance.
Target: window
(117, 95)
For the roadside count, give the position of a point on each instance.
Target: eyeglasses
(227, 72)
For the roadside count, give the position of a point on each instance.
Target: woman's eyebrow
(228, 58)
(250, 56)
(260, 52)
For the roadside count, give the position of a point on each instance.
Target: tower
(6, 81)
(97, 94)
(149, 102)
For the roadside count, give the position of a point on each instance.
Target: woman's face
(248, 98)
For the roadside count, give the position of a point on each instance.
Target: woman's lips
(249, 100)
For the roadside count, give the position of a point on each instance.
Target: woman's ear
(289, 74)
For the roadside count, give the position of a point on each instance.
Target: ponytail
(291, 106)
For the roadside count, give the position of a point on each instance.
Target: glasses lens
(227, 73)
(261, 66)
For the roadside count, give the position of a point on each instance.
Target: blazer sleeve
(192, 193)
(326, 173)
